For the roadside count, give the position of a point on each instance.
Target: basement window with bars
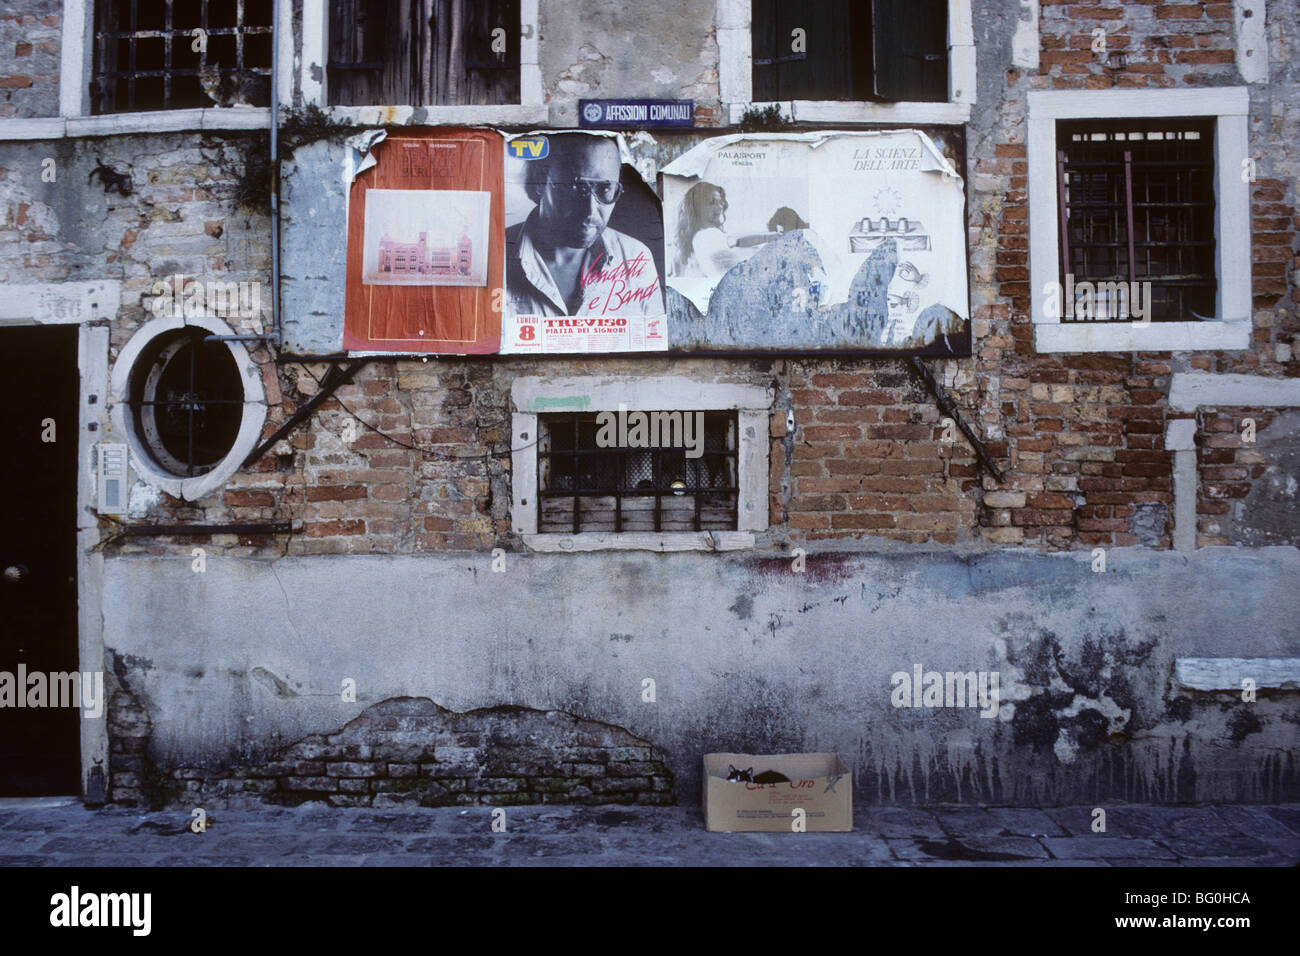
(181, 54)
(585, 487)
(423, 52)
(1137, 205)
(884, 50)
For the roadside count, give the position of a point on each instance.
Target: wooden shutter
(423, 52)
(356, 56)
(910, 42)
(824, 69)
(763, 32)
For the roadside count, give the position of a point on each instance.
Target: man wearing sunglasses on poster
(564, 260)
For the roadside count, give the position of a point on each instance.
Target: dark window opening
(148, 56)
(585, 487)
(885, 50)
(1136, 204)
(423, 52)
(186, 401)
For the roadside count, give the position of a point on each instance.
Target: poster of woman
(817, 240)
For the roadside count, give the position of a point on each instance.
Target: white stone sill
(836, 111)
(118, 124)
(1156, 337)
(641, 541)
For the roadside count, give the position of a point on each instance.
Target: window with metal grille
(186, 401)
(423, 52)
(1137, 205)
(584, 487)
(890, 50)
(181, 54)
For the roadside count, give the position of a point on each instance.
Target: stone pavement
(60, 832)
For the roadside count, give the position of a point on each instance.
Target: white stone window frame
(736, 77)
(1228, 106)
(313, 79)
(143, 466)
(533, 396)
(1189, 391)
(76, 67)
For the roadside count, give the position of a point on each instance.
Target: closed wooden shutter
(910, 43)
(835, 62)
(423, 52)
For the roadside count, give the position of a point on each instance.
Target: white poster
(854, 239)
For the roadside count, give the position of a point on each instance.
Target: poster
(817, 241)
(583, 247)
(425, 253)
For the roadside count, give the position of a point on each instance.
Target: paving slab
(1105, 847)
(1139, 835)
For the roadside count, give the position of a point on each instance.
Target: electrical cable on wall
(397, 441)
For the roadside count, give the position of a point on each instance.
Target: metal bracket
(949, 408)
(334, 379)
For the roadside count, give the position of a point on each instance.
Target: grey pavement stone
(1105, 847)
(899, 822)
(1257, 822)
(994, 821)
(1237, 846)
(1288, 815)
(646, 836)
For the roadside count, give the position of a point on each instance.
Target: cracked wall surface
(746, 655)
(407, 752)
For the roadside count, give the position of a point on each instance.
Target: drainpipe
(275, 177)
(277, 335)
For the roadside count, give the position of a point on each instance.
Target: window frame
(736, 77)
(533, 396)
(1227, 107)
(121, 416)
(313, 80)
(76, 69)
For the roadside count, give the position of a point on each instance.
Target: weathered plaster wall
(667, 50)
(248, 657)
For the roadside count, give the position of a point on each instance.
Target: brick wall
(1084, 434)
(411, 752)
(29, 59)
(1080, 437)
(1162, 44)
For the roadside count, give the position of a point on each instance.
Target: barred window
(186, 402)
(1137, 205)
(583, 486)
(181, 54)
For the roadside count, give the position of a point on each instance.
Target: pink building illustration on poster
(426, 237)
(411, 259)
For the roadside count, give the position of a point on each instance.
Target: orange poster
(426, 240)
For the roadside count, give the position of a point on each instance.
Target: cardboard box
(819, 784)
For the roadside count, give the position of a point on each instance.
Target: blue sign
(606, 113)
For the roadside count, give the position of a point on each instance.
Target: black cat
(747, 776)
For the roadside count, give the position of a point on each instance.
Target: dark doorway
(39, 746)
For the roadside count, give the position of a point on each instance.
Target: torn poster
(425, 244)
(817, 241)
(584, 248)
